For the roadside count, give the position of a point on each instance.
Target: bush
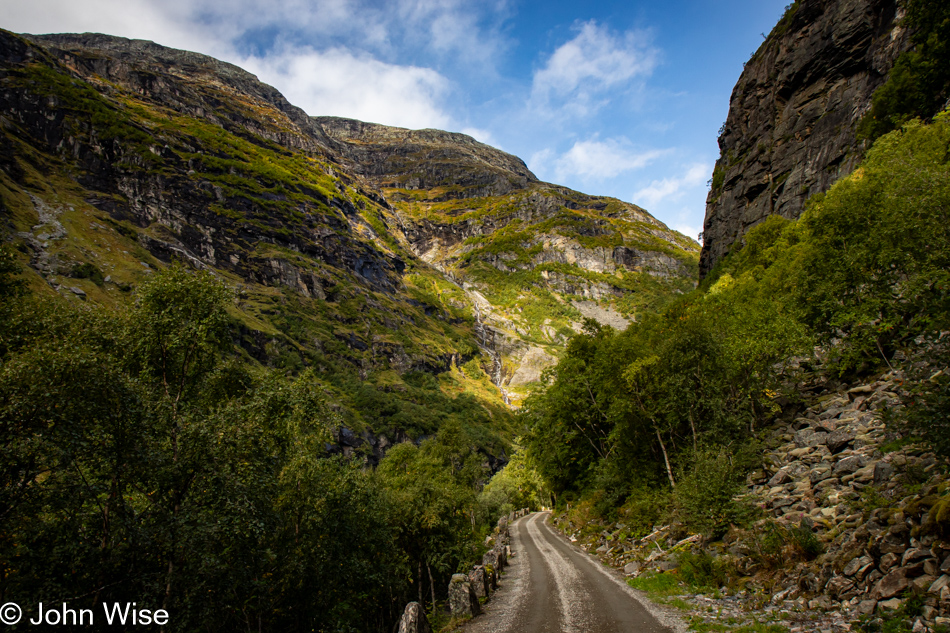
(777, 545)
(701, 569)
(704, 497)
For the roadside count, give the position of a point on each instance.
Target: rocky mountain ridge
(334, 231)
(791, 128)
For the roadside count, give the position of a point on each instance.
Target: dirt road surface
(552, 586)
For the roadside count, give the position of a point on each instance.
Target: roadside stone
(631, 569)
(490, 558)
(480, 581)
(462, 600)
(414, 620)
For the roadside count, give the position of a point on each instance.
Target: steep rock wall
(790, 131)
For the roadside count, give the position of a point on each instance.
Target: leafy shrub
(701, 569)
(704, 497)
(777, 545)
(87, 271)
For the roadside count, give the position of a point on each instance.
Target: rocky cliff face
(790, 131)
(378, 247)
(534, 259)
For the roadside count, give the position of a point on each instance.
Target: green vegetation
(668, 403)
(143, 460)
(919, 83)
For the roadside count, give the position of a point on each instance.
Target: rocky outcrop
(790, 131)
(425, 159)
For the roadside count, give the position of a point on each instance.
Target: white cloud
(594, 61)
(482, 136)
(672, 188)
(346, 75)
(689, 230)
(167, 24)
(337, 82)
(593, 160)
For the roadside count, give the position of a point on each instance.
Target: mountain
(353, 247)
(794, 113)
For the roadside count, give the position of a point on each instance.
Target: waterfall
(485, 344)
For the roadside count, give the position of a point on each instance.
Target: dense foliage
(141, 460)
(919, 83)
(671, 406)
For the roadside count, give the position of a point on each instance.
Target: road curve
(553, 587)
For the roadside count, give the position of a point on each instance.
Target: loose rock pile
(873, 514)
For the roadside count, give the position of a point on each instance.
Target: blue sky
(620, 98)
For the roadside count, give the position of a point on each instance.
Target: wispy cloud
(343, 57)
(593, 160)
(672, 188)
(337, 82)
(482, 136)
(576, 76)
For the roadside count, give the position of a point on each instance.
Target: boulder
(462, 599)
(945, 565)
(883, 472)
(866, 607)
(631, 568)
(939, 584)
(915, 554)
(890, 605)
(888, 561)
(779, 478)
(890, 585)
(849, 465)
(839, 440)
(820, 473)
(856, 565)
(922, 583)
(414, 620)
(840, 587)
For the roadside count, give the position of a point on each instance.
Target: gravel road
(552, 586)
